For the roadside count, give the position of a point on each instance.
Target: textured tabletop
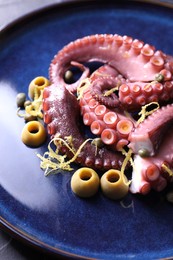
(12, 9)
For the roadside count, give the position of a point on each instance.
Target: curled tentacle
(99, 87)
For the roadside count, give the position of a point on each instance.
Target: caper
(20, 99)
(29, 118)
(159, 77)
(169, 196)
(27, 103)
(143, 152)
(68, 76)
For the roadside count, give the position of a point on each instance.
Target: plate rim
(45, 9)
(5, 225)
(35, 243)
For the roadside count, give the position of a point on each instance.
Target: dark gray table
(10, 248)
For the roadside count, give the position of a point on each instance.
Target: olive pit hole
(33, 129)
(39, 82)
(113, 177)
(85, 176)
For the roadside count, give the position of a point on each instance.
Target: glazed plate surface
(43, 211)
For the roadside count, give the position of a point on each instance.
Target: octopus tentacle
(142, 75)
(146, 175)
(100, 85)
(147, 136)
(134, 95)
(121, 52)
(105, 71)
(62, 116)
(112, 125)
(149, 173)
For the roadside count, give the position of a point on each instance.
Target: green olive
(85, 182)
(114, 185)
(33, 134)
(38, 83)
(20, 99)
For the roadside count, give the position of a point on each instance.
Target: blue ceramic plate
(43, 211)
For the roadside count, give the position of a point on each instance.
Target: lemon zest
(99, 74)
(82, 87)
(79, 150)
(128, 157)
(144, 113)
(20, 114)
(35, 108)
(50, 166)
(167, 169)
(97, 142)
(37, 93)
(150, 84)
(52, 160)
(67, 141)
(110, 91)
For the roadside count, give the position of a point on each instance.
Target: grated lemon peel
(19, 114)
(82, 87)
(128, 158)
(110, 91)
(99, 74)
(35, 108)
(167, 169)
(97, 142)
(150, 84)
(144, 113)
(52, 160)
